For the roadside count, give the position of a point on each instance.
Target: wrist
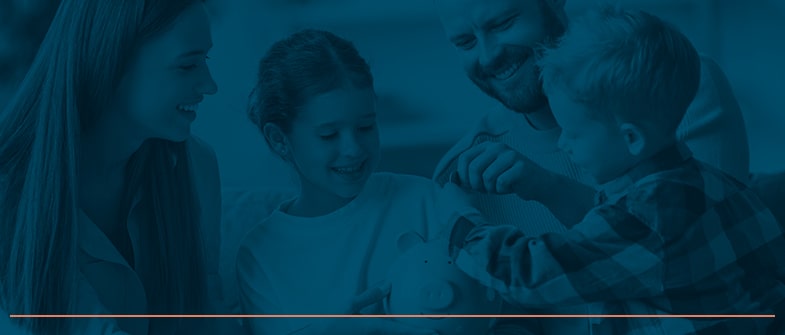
(458, 234)
(537, 181)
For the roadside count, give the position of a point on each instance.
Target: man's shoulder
(709, 67)
(714, 85)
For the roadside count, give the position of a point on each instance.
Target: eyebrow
(333, 124)
(498, 19)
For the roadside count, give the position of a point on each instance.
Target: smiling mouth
(188, 108)
(512, 68)
(351, 169)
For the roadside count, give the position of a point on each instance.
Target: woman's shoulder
(202, 154)
(204, 165)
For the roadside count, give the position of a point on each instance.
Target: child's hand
(494, 168)
(369, 298)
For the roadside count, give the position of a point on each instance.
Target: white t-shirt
(316, 265)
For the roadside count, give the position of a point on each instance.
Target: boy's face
(334, 142)
(596, 146)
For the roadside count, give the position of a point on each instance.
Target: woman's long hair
(73, 78)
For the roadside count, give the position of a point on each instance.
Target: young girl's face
(334, 142)
(160, 93)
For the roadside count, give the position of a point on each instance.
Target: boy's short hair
(627, 65)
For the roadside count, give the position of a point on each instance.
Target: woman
(105, 193)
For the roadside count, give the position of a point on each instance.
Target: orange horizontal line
(268, 316)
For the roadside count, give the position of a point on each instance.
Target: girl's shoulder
(399, 184)
(400, 180)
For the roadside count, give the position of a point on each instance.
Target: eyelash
(193, 66)
(504, 24)
(334, 135)
(468, 44)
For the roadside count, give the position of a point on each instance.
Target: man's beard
(525, 95)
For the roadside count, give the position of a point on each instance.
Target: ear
(276, 139)
(408, 240)
(633, 137)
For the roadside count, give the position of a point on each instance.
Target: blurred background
(426, 101)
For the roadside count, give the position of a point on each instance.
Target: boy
(669, 234)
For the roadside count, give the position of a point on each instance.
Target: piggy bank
(424, 281)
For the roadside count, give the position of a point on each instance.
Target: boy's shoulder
(673, 198)
(692, 174)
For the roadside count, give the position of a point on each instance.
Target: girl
(314, 102)
(105, 193)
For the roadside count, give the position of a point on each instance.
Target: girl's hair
(301, 66)
(23, 25)
(72, 79)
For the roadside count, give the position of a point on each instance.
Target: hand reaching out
(494, 168)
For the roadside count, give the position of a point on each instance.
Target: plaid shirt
(672, 236)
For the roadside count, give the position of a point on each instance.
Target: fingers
(464, 160)
(506, 181)
(494, 171)
(471, 164)
(369, 297)
(481, 167)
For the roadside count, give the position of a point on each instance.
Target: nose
(437, 295)
(489, 51)
(350, 145)
(208, 85)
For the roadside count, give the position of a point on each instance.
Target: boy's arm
(568, 199)
(610, 255)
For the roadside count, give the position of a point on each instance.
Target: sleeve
(256, 297)
(451, 204)
(609, 255)
(713, 126)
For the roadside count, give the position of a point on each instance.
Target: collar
(665, 159)
(95, 243)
